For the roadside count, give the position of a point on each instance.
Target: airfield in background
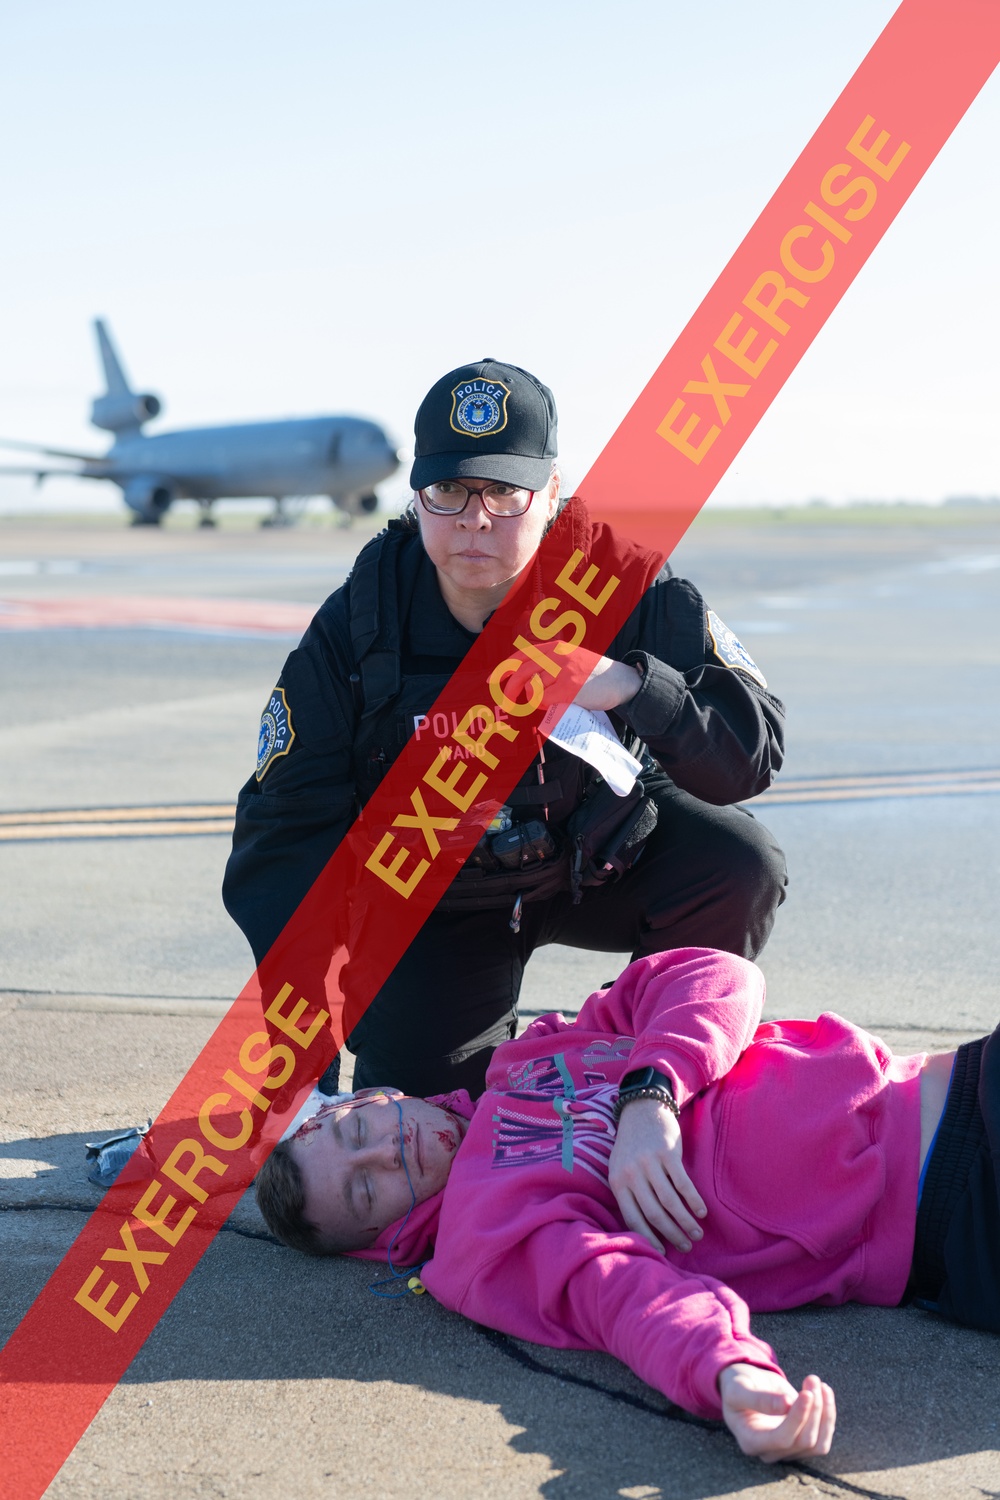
(123, 745)
(877, 624)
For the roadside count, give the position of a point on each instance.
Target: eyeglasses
(448, 498)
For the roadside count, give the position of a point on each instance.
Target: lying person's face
(351, 1159)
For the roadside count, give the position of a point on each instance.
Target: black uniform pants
(709, 877)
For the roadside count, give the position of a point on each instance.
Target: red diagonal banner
(136, 1251)
(796, 263)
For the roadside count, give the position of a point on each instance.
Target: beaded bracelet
(659, 1094)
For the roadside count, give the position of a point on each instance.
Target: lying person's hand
(770, 1419)
(646, 1174)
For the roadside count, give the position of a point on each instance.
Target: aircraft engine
(119, 412)
(149, 495)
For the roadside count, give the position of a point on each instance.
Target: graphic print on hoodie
(555, 1121)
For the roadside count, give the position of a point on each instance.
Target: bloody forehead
(315, 1121)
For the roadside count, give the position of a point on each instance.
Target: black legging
(955, 1259)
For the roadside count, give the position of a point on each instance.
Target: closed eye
(358, 1141)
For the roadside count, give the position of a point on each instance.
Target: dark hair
(281, 1199)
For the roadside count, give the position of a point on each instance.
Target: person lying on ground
(638, 1180)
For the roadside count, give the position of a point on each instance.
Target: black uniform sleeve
(290, 821)
(712, 726)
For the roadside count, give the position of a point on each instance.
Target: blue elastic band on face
(394, 1274)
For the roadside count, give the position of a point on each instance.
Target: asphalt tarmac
(134, 669)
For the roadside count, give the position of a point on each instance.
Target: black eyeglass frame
(510, 515)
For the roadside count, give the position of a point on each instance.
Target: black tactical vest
(394, 689)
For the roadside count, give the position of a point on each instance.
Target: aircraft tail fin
(114, 375)
(120, 409)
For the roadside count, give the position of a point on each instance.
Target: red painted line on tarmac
(123, 611)
(134, 1254)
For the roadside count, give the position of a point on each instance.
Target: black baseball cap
(485, 421)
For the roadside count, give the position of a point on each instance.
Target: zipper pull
(515, 917)
(541, 771)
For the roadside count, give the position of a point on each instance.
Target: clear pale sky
(322, 207)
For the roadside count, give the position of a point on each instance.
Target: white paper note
(591, 736)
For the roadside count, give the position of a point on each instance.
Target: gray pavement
(277, 1376)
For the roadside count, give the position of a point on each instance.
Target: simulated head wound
(311, 1106)
(485, 421)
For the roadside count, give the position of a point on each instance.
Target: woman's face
(477, 554)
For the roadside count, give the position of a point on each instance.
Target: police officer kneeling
(674, 864)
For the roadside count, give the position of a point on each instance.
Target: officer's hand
(655, 1194)
(610, 684)
(770, 1419)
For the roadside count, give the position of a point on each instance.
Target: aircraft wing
(87, 458)
(40, 472)
(113, 472)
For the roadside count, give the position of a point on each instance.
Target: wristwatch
(645, 1083)
(640, 661)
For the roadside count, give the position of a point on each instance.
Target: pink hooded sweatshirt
(803, 1138)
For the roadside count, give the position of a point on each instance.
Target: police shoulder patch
(731, 651)
(276, 732)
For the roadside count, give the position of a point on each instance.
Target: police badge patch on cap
(731, 651)
(276, 732)
(479, 407)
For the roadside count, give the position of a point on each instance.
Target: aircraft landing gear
(348, 507)
(279, 515)
(148, 501)
(288, 509)
(206, 518)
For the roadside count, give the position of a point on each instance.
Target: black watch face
(644, 1078)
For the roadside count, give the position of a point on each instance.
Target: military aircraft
(343, 457)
